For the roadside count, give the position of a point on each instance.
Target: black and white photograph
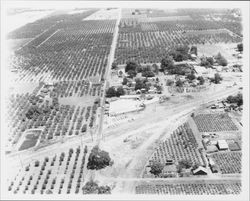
(124, 100)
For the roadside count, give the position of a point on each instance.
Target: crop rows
(228, 162)
(60, 174)
(56, 120)
(76, 89)
(72, 56)
(181, 145)
(152, 46)
(190, 189)
(169, 26)
(214, 122)
(59, 19)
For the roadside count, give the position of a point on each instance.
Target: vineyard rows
(181, 145)
(152, 46)
(190, 189)
(214, 122)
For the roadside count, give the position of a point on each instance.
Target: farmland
(181, 145)
(229, 162)
(190, 189)
(214, 122)
(137, 101)
(145, 39)
(42, 176)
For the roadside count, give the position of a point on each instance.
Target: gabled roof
(200, 169)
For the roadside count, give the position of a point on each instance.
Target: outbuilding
(200, 171)
(222, 144)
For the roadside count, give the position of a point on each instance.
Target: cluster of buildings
(225, 106)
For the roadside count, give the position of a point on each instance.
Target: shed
(200, 171)
(222, 144)
(212, 149)
(214, 168)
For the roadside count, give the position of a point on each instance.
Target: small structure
(133, 84)
(193, 56)
(212, 149)
(169, 171)
(214, 169)
(143, 90)
(138, 91)
(169, 162)
(233, 146)
(222, 144)
(200, 171)
(49, 84)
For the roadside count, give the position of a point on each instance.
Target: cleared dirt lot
(225, 49)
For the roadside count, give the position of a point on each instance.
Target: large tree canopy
(131, 66)
(98, 159)
(180, 53)
(221, 60)
(236, 99)
(92, 188)
(167, 63)
(156, 168)
(112, 92)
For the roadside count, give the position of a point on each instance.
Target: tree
(104, 190)
(159, 88)
(201, 79)
(169, 82)
(148, 74)
(210, 60)
(185, 164)
(33, 112)
(131, 73)
(167, 63)
(217, 78)
(236, 99)
(156, 168)
(125, 81)
(207, 61)
(114, 66)
(180, 53)
(84, 128)
(98, 159)
(139, 84)
(240, 47)
(193, 50)
(191, 76)
(92, 187)
(120, 91)
(111, 92)
(179, 83)
(221, 60)
(131, 66)
(155, 68)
